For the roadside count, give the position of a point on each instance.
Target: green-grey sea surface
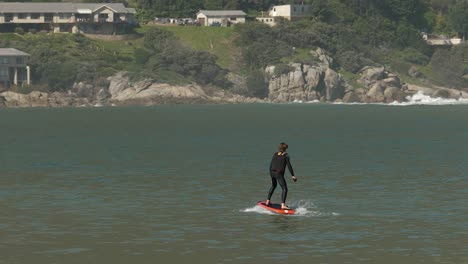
(179, 184)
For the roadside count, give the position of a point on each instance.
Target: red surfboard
(276, 208)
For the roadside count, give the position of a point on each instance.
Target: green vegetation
(216, 40)
(356, 33)
(59, 60)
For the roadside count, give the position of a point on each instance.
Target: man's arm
(288, 162)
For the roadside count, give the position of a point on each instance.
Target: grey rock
(352, 97)
(270, 70)
(393, 94)
(447, 93)
(392, 81)
(333, 85)
(376, 94)
(325, 60)
(118, 83)
(312, 78)
(102, 95)
(369, 74)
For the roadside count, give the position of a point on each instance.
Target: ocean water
(179, 184)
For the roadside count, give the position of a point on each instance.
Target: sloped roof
(222, 12)
(12, 52)
(59, 7)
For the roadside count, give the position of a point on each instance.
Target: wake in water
(302, 207)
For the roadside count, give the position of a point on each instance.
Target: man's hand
(294, 178)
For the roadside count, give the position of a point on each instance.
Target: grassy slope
(216, 40)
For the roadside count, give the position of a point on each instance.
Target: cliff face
(319, 81)
(306, 82)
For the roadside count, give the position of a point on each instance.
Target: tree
(447, 66)
(458, 17)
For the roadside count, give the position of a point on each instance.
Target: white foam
(422, 99)
(305, 102)
(257, 209)
(302, 208)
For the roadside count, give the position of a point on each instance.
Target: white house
(288, 12)
(65, 17)
(221, 17)
(441, 40)
(14, 67)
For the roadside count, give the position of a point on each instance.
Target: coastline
(62, 100)
(303, 84)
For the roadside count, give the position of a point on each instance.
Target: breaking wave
(422, 99)
(416, 99)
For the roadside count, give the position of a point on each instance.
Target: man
(277, 169)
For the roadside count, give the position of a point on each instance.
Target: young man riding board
(277, 169)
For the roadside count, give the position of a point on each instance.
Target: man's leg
(272, 189)
(284, 194)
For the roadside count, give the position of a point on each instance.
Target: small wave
(305, 102)
(417, 99)
(422, 99)
(302, 208)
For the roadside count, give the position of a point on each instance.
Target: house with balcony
(220, 17)
(288, 12)
(14, 67)
(98, 18)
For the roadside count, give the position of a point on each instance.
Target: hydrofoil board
(276, 208)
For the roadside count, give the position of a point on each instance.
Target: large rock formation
(123, 91)
(306, 82)
(378, 86)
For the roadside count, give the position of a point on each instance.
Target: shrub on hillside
(19, 30)
(447, 67)
(164, 52)
(352, 61)
(256, 84)
(282, 68)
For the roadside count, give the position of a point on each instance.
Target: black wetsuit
(277, 169)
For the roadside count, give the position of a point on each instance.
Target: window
(302, 9)
(8, 17)
(294, 9)
(4, 72)
(19, 60)
(64, 15)
(22, 16)
(233, 18)
(35, 16)
(4, 60)
(48, 17)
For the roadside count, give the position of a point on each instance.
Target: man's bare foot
(285, 207)
(267, 202)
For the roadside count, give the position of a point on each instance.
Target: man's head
(283, 147)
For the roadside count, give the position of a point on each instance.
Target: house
(440, 40)
(288, 12)
(66, 17)
(220, 17)
(14, 67)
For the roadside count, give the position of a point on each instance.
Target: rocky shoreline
(320, 82)
(300, 82)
